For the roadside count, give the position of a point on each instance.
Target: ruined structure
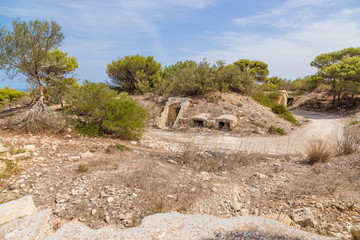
(173, 112)
(226, 122)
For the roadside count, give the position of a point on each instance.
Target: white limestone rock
(22, 207)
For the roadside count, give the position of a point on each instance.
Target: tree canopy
(134, 73)
(259, 70)
(341, 70)
(25, 50)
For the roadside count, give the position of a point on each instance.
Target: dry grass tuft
(349, 143)
(318, 152)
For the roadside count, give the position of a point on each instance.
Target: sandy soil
(321, 127)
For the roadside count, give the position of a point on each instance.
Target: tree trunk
(334, 93)
(338, 98)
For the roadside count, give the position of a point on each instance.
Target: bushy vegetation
(264, 100)
(279, 109)
(8, 94)
(275, 130)
(97, 105)
(283, 112)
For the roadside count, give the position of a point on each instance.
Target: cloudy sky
(286, 34)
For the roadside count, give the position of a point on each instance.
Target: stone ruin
(174, 111)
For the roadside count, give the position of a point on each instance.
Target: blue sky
(286, 34)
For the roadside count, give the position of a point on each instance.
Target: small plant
(117, 146)
(274, 130)
(239, 104)
(318, 152)
(355, 122)
(83, 168)
(14, 151)
(11, 167)
(226, 108)
(274, 95)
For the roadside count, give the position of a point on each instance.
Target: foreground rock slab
(28, 228)
(16, 209)
(179, 226)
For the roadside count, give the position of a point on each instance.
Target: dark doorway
(199, 123)
(224, 126)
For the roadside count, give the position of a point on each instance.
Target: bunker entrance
(224, 126)
(290, 102)
(199, 123)
(174, 110)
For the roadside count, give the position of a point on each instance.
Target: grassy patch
(274, 130)
(355, 122)
(14, 151)
(83, 168)
(112, 148)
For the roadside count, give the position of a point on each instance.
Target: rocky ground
(105, 181)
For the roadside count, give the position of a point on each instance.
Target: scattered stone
(170, 196)
(30, 147)
(133, 142)
(214, 189)
(87, 155)
(283, 218)
(103, 194)
(74, 158)
(244, 212)
(17, 208)
(107, 218)
(22, 186)
(303, 217)
(93, 212)
(110, 199)
(21, 155)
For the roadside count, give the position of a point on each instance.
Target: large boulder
(179, 226)
(22, 207)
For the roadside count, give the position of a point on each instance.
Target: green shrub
(264, 100)
(355, 122)
(89, 129)
(274, 130)
(118, 114)
(283, 112)
(274, 95)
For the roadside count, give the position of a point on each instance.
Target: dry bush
(349, 143)
(38, 118)
(318, 152)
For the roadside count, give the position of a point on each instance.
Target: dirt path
(325, 127)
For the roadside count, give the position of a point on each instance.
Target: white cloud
(289, 51)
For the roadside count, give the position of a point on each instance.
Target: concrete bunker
(226, 122)
(200, 120)
(173, 112)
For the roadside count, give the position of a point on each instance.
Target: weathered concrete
(32, 227)
(22, 207)
(179, 226)
(173, 111)
(200, 120)
(226, 122)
